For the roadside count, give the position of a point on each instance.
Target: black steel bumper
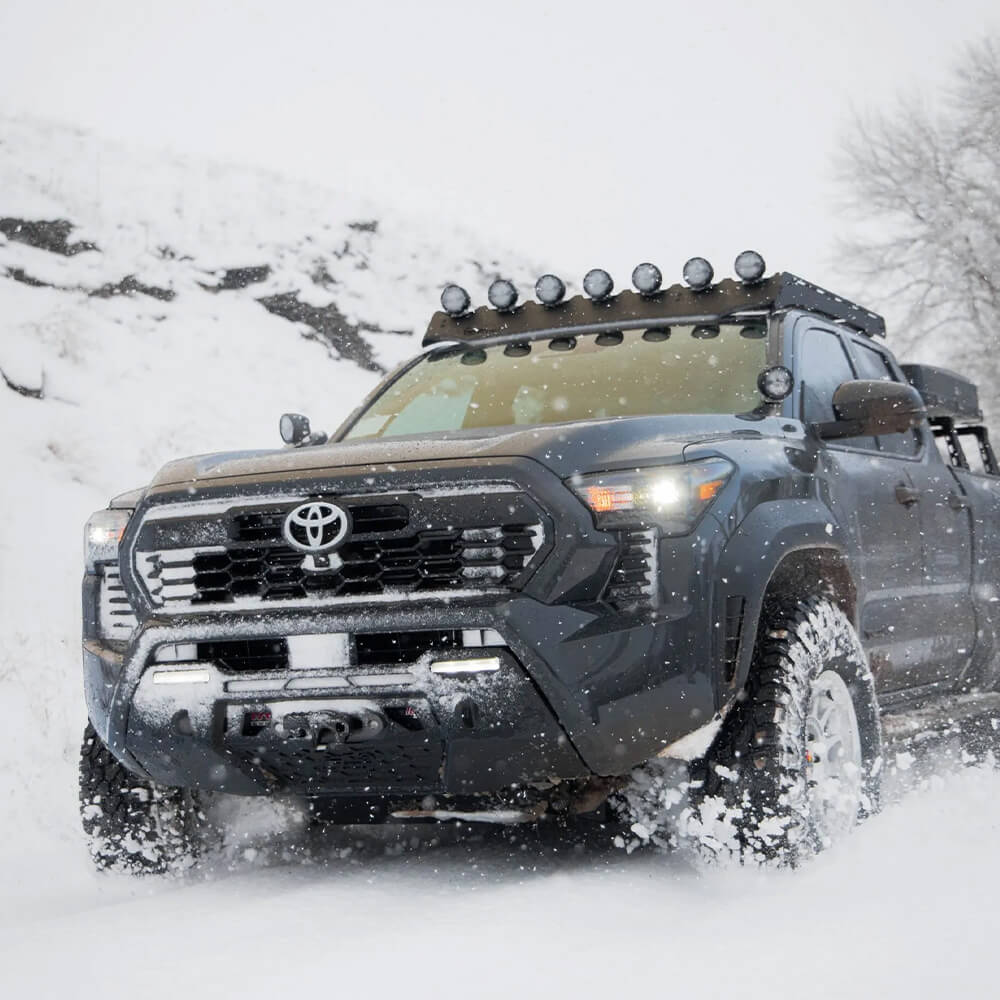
(609, 692)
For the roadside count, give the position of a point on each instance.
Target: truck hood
(566, 449)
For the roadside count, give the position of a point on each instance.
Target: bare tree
(924, 184)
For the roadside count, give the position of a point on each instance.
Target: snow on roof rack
(580, 313)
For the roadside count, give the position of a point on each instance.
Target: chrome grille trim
(399, 564)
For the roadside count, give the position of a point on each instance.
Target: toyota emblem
(316, 526)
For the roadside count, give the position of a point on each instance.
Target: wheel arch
(782, 548)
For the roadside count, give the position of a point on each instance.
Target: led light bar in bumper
(452, 668)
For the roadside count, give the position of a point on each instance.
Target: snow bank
(904, 908)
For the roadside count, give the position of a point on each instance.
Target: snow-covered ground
(905, 908)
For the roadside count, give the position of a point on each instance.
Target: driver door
(871, 492)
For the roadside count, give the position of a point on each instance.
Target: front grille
(388, 767)
(266, 525)
(633, 583)
(401, 545)
(426, 561)
(117, 619)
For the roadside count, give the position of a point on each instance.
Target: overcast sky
(582, 133)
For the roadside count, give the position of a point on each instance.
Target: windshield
(683, 369)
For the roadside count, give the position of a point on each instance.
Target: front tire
(796, 762)
(131, 824)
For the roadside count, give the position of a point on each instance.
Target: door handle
(907, 495)
(956, 501)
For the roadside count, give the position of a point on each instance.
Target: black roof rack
(580, 313)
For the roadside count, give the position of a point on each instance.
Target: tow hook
(326, 728)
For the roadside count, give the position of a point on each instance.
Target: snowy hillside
(152, 307)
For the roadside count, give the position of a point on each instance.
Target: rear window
(686, 369)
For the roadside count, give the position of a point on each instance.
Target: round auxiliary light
(750, 266)
(502, 295)
(698, 273)
(775, 383)
(455, 300)
(550, 290)
(598, 284)
(647, 279)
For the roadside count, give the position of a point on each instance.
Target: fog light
(486, 665)
(182, 676)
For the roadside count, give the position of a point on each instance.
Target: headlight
(673, 497)
(101, 536)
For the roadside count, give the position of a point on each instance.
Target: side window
(872, 364)
(822, 367)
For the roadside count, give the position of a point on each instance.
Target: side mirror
(868, 407)
(294, 430)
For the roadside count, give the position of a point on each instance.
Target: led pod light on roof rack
(698, 273)
(647, 279)
(550, 290)
(750, 267)
(598, 284)
(502, 295)
(455, 300)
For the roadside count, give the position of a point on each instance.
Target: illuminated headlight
(101, 536)
(750, 266)
(598, 284)
(502, 295)
(550, 290)
(647, 279)
(673, 496)
(455, 300)
(775, 383)
(698, 273)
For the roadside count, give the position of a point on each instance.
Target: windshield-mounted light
(102, 536)
(673, 497)
(698, 273)
(775, 383)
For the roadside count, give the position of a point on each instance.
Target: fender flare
(764, 539)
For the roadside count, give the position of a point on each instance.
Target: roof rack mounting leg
(945, 427)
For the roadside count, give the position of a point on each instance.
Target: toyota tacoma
(570, 537)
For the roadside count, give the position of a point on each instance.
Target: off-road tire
(131, 824)
(756, 767)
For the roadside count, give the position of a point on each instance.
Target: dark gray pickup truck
(572, 536)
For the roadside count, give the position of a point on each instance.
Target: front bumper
(609, 693)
